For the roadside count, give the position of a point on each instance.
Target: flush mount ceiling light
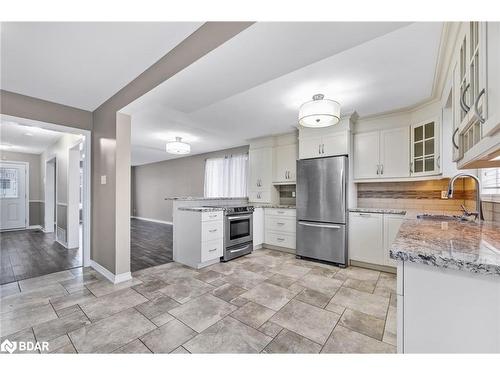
(178, 147)
(319, 112)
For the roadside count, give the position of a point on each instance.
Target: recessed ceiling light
(28, 134)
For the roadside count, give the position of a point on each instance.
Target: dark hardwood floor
(30, 253)
(150, 244)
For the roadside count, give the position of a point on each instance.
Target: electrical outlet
(444, 194)
(293, 194)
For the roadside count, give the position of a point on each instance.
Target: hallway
(30, 253)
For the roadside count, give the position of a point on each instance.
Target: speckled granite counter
(201, 209)
(468, 246)
(379, 211)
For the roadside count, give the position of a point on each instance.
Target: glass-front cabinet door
(425, 158)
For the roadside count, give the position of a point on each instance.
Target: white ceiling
(253, 84)
(82, 64)
(25, 136)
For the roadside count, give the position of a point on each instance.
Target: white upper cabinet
(425, 157)
(285, 159)
(366, 155)
(381, 154)
(394, 153)
(261, 173)
(323, 142)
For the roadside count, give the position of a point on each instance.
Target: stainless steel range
(238, 232)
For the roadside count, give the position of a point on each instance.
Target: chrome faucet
(479, 210)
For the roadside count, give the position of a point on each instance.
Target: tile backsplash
(416, 195)
(287, 194)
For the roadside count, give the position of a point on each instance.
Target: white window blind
(226, 177)
(490, 181)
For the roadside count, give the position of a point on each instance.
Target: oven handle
(239, 217)
(239, 249)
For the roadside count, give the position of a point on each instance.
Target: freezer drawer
(322, 241)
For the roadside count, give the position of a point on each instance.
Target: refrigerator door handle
(342, 190)
(329, 226)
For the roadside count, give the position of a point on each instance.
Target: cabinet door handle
(212, 230)
(365, 215)
(453, 138)
(411, 167)
(212, 250)
(319, 149)
(438, 161)
(476, 110)
(378, 168)
(322, 148)
(280, 239)
(381, 168)
(464, 106)
(280, 223)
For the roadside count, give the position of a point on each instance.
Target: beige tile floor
(266, 302)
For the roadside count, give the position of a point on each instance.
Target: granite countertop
(202, 198)
(201, 209)
(459, 245)
(379, 211)
(272, 206)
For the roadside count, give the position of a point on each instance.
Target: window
(226, 177)
(8, 183)
(490, 180)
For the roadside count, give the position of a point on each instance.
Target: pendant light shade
(319, 112)
(178, 147)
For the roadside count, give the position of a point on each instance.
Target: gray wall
(35, 182)
(104, 141)
(151, 183)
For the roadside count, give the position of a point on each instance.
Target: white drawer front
(211, 230)
(211, 250)
(290, 212)
(280, 239)
(280, 224)
(212, 215)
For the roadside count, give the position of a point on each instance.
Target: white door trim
(26, 188)
(50, 198)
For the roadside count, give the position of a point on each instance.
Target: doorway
(14, 195)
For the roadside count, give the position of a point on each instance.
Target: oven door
(239, 229)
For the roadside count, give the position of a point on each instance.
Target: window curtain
(226, 177)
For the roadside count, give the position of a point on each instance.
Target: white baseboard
(35, 227)
(152, 220)
(115, 279)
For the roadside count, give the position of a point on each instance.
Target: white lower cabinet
(258, 227)
(280, 227)
(200, 238)
(366, 240)
(371, 236)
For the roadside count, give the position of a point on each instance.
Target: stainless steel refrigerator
(322, 209)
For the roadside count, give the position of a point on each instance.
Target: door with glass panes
(425, 158)
(12, 195)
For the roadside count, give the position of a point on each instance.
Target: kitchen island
(448, 286)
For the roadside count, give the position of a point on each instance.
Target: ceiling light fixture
(28, 134)
(178, 147)
(5, 146)
(319, 112)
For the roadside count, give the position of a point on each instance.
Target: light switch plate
(103, 180)
(444, 194)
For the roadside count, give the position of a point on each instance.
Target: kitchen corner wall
(416, 195)
(182, 177)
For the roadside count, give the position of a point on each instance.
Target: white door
(310, 147)
(13, 195)
(395, 152)
(366, 155)
(285, 163)
(334, 144)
